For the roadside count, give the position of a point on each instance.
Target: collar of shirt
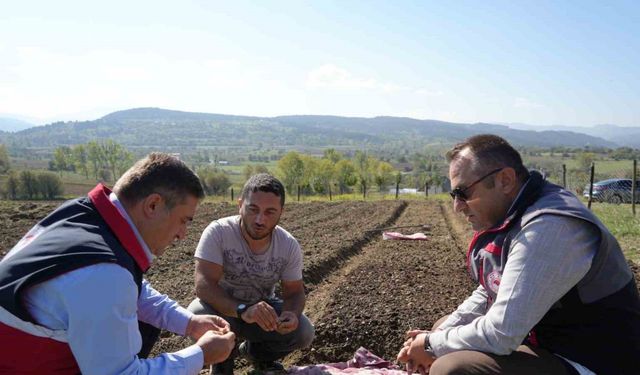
(517, 196)
(116, 202)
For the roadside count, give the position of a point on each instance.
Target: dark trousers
(150, 335)
(523, 361)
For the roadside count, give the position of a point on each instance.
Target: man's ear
(240, 203)
(508, 180)
(152, 204)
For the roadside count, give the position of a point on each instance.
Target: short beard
(254, 237)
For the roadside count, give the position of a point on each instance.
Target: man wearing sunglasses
(555, 293)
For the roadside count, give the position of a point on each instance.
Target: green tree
(81, 160)
(62, 159)
(291, 168)
(49, 185)
(585, 159)
(309, 171)
(363, 165)
(346, 175)
(324, 176)
(332, 155)
(12, 186)
(5, 161)
(28, 186)
(117, 158)
(260, 168)
(96, 158)
(216, 183)
(384, 175)
(247, 171)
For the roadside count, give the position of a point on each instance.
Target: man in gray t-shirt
(239, 261)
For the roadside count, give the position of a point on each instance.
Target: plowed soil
(362, 290)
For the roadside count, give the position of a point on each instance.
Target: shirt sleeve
(210, 245)
(97, 306)
(547, 258)
(473, 307)
(161, 311)
(293, 269)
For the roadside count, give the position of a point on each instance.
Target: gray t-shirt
(249, 277)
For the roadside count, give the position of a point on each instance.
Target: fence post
(397, 188)
(231, 194)
(426, 189)
(593, 168)
(564, 176)
(364, 189)
(298, 193)
(330, 192)
(634, 187)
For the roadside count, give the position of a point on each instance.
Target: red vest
(24, 353)
(30, 354)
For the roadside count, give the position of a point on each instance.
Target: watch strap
(427, 345)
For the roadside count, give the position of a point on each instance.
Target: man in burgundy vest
(72, 294)
(555, 294)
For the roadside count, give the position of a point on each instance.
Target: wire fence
(601, 185)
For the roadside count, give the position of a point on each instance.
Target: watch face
(240, 309)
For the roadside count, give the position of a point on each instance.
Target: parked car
(613, 190)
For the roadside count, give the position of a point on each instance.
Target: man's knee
(439, 322)
(463, 363)
(444, 365)
(199, 307)
(305, 333)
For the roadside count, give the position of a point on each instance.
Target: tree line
(333, 172)
(104, 160)
(27, 184)
(33, 185)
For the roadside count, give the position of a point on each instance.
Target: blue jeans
(263, 345)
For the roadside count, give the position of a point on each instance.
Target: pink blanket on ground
(399, 236)
(363, 362)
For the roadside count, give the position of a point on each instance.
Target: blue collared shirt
(98, 307)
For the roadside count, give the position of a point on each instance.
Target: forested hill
(166, 128)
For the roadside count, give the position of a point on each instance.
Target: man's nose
(182, 233)
(458, 204)
(259, 218)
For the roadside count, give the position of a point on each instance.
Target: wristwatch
(427, 345)
(240, 309)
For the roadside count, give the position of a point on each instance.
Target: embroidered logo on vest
(493, 281)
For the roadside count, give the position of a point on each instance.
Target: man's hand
(215, 347)
(414, 355)
(263, 314)
(287, 322)
(199, 324)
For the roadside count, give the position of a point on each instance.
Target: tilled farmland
(362, 290)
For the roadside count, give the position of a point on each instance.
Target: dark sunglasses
(461, 192)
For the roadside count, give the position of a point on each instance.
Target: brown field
(362, 291)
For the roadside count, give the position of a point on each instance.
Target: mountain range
(155, 127)
(9, 124)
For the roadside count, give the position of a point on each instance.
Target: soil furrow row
(316, 272)
(391, 287)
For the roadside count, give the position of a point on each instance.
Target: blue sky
(571, 63)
